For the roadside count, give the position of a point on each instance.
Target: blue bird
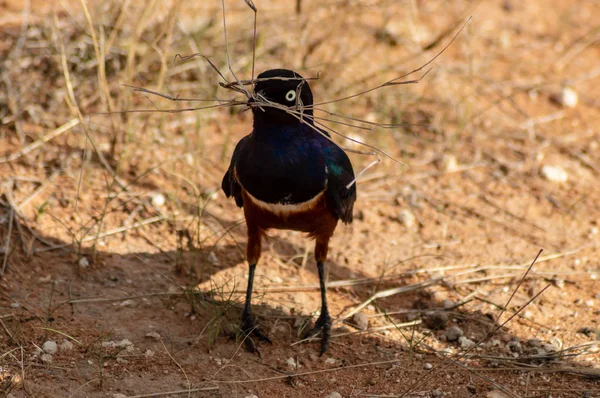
(288, 174)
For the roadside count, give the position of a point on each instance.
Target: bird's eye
(290, 95)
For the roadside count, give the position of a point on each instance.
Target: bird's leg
(324, 321)
(248, 325)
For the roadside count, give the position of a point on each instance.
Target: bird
(288, 174)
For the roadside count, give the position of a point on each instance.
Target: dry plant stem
(228, 56)
(44, 139)
(175, 392)
(387, 293)
(187, 380)
(395, 80)
(73, 105)
(7, 245)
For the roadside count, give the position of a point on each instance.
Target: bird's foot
(249, 329)
(323, 324)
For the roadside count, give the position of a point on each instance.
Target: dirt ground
(117, 244)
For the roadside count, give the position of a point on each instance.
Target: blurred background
(113, 226)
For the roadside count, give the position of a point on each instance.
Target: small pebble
(83, 262)
(124, 343)
(127, 303)
(153, 335)
(149, 353)
(449, 163)
(554, 173)
(292, 363)
(407, 218)
(496, 394)
(119, 396)
(465, 342)
(334, 394)
(428, 366)
(330, 361)
(66, 345)
(361, 321)
(589, 303)
(453, 333)
(46, 358)
(158, 200)
(50, 347)
(437, 393)
(559, 283)
(567, 97)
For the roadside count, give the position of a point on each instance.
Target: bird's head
(281, 96)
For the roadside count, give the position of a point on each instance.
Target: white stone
(83, 262)
(554, 173)
(496, 394)
(124, 343)
(453, 333)
(46, 358)
(567, 97)
(361, 321)
(291, 363)
(127, 303)
(158, 200)
(407, 218)
(153, 335)
(50, 347)
(66, 345)
(465, 342)
(334, 394)
(449, 162)
(428, 366)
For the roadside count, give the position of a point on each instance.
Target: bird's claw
(323, 324)
(249, 329)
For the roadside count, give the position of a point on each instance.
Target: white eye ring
(290, 95)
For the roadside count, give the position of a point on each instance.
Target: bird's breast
(312, 216)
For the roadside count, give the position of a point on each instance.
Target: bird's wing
(339, 175)
(230, 184)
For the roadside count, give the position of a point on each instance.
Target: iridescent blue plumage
(291, 164)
